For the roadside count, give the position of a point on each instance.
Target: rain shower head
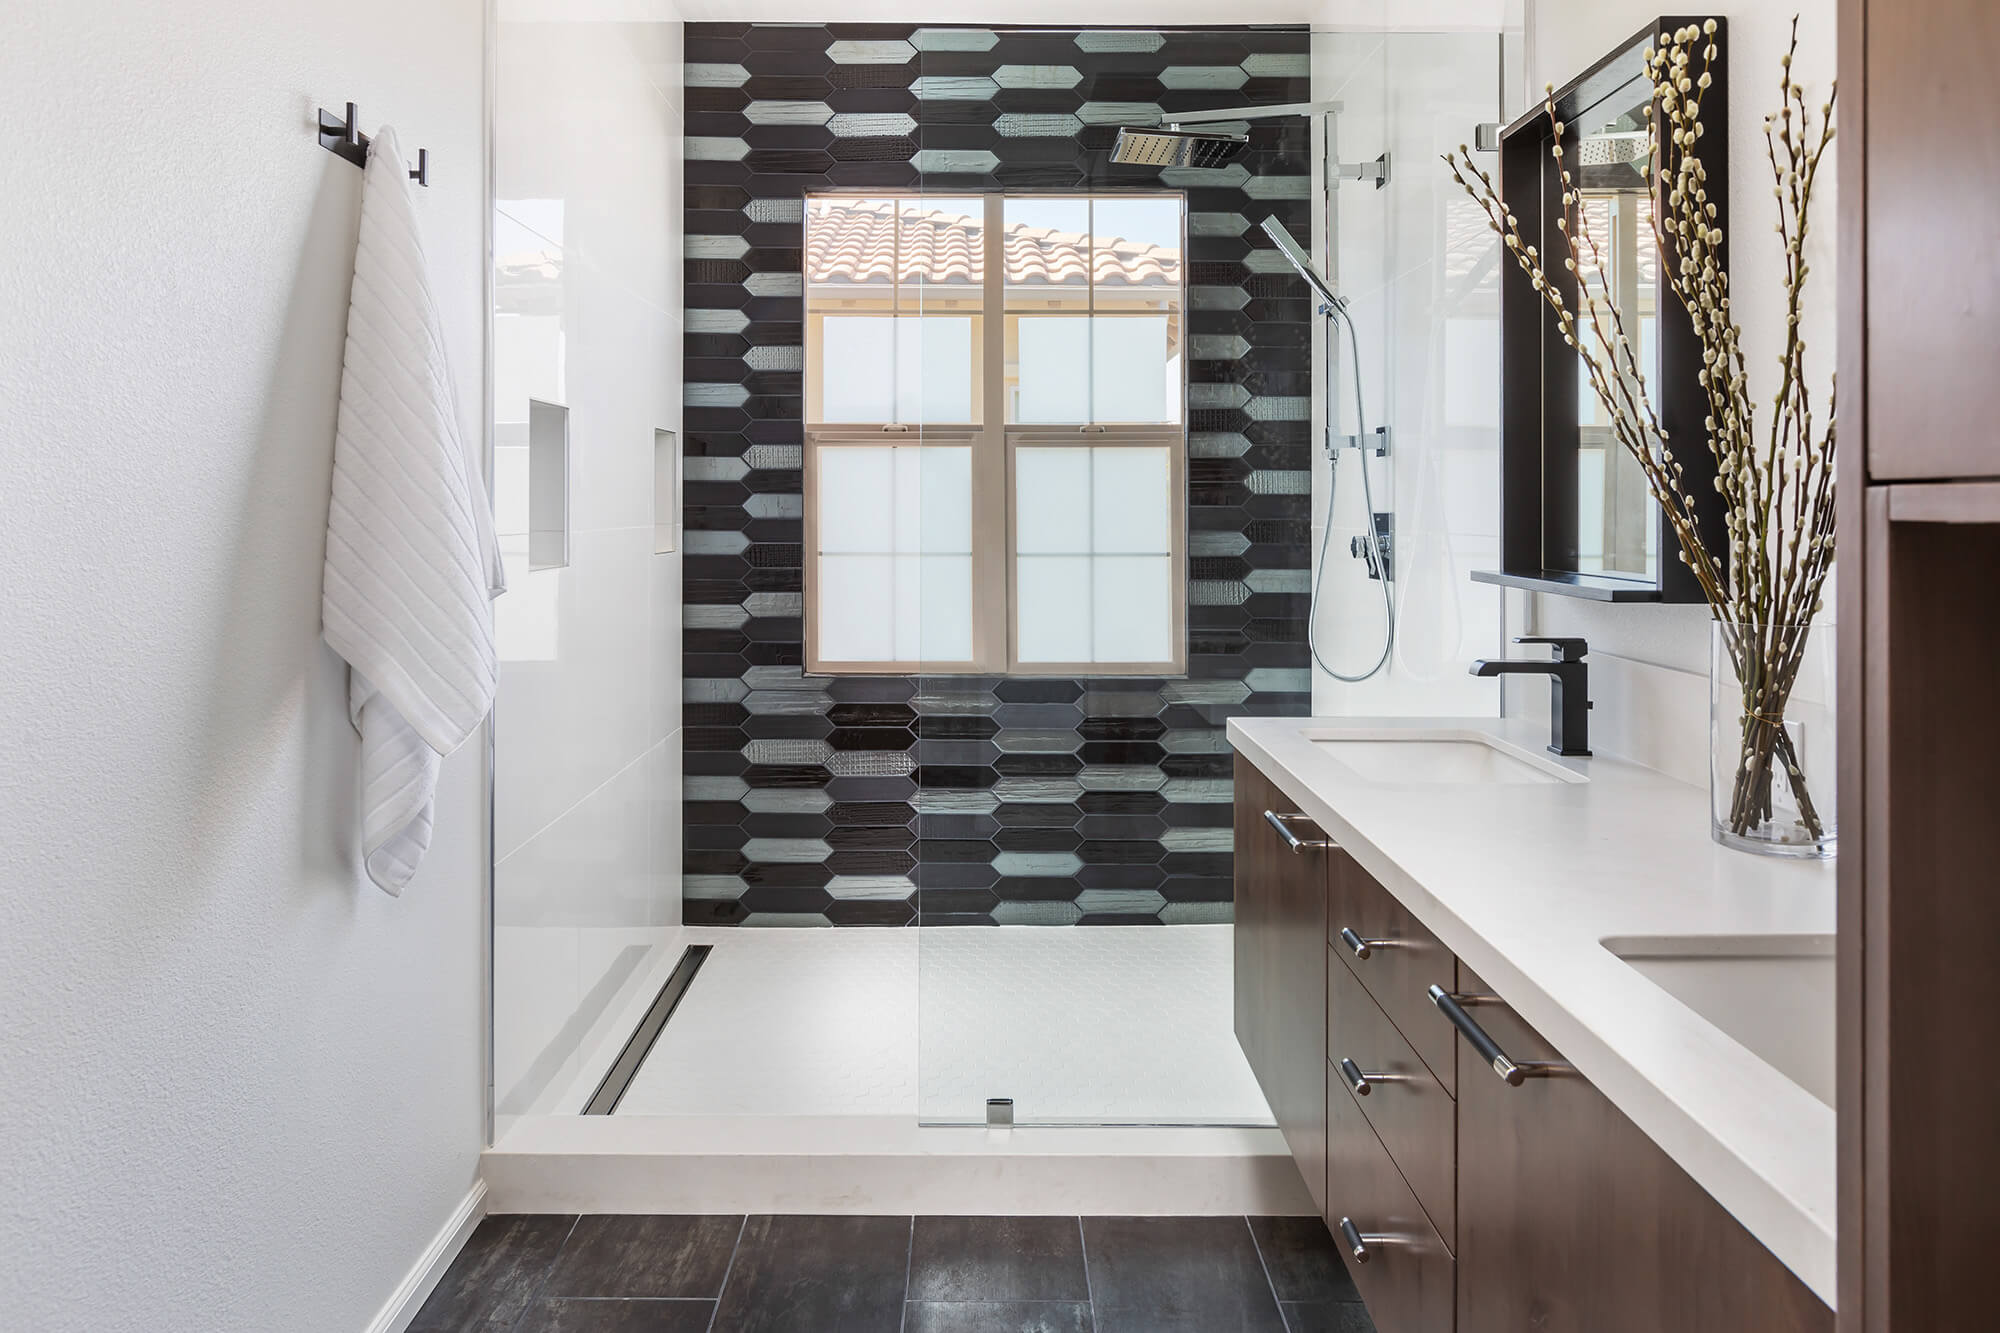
(1295, 253)
(1164, 146)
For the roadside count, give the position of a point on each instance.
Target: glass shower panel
(1140, 470)
(1419, 272)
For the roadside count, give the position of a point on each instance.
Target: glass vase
(1771, 738)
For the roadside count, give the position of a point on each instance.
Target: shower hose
(1337, 316)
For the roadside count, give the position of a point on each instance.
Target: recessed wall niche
(666, 491)
(548, 485)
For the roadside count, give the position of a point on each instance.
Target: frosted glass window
(857, 495)
(855, 617)
(905, 369)
(1094, 564)
(894, 579)
(1053, 594)
(933, 499)
(1131, 608)
(933, 370)
(933, 598)
(857, 368)
(1054, 374)
(1130, 504)
(1128, 370)
(1052, 501)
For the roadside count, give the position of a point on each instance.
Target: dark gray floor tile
(1303, 1261)
(645, 1256)
(817, 1275)
(495, 1276)
(1177, 1275)
(1327, 1317)
(573, 1315)
(998, 1317)
(997, 1259)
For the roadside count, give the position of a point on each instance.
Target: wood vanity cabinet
(1571, 1220)
(1918, 267)
(1280, 957)
(1919, 541)
(1480, 1206)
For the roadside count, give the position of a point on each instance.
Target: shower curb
(882, 1164)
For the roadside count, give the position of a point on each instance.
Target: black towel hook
(344, 139)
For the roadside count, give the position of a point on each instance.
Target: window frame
(994, 443)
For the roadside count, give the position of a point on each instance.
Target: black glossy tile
(495, 1277)
(645, 1255)
(817, 1275)
(1042, 889)
(954, 718)
(955, 875)
(998, 1317)
(1326, 1317)
(575, 1315)
(1300, 1256)
(1177, 1275)
(785, 898)
(997, 1259)
(870, 912)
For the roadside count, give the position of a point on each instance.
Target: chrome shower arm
(1248, 113)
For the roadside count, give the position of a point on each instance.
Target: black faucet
(1569, 704)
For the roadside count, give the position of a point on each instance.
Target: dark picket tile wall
(956, 800)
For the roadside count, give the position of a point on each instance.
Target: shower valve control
(1377, 554)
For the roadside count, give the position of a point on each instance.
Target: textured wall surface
(240, 1087)
(954, 799)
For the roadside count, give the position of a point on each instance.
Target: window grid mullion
(995, 439)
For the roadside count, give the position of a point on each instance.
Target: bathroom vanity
(1546, 1056)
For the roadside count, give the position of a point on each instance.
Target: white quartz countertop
(1526, 882)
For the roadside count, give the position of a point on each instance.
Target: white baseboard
(422, 1279)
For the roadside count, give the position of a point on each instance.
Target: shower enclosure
(1102, 799)
(1007, 477)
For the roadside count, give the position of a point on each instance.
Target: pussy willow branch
(1777, 490)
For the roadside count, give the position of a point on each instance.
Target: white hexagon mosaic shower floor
(1109, 1025)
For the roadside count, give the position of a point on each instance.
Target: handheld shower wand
(1333, 308)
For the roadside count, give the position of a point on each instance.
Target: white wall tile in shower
(1423, 298)
(587, 141)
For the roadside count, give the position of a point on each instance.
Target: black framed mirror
(1576, 515)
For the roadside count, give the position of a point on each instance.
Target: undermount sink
(1429, 758)
(1774, 994)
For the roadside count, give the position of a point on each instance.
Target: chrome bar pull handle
(1360, 948)
(1356, 1243)
(1282, 823)
(1355, 1078)
(1512, 1072)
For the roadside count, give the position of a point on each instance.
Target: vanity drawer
(1408, 1275)
(1404, 960)
(1412, 1114)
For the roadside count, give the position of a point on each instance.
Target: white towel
(411, 561)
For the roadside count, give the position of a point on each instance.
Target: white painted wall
(1650, 663)
(240, 1089)
(587, 227)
